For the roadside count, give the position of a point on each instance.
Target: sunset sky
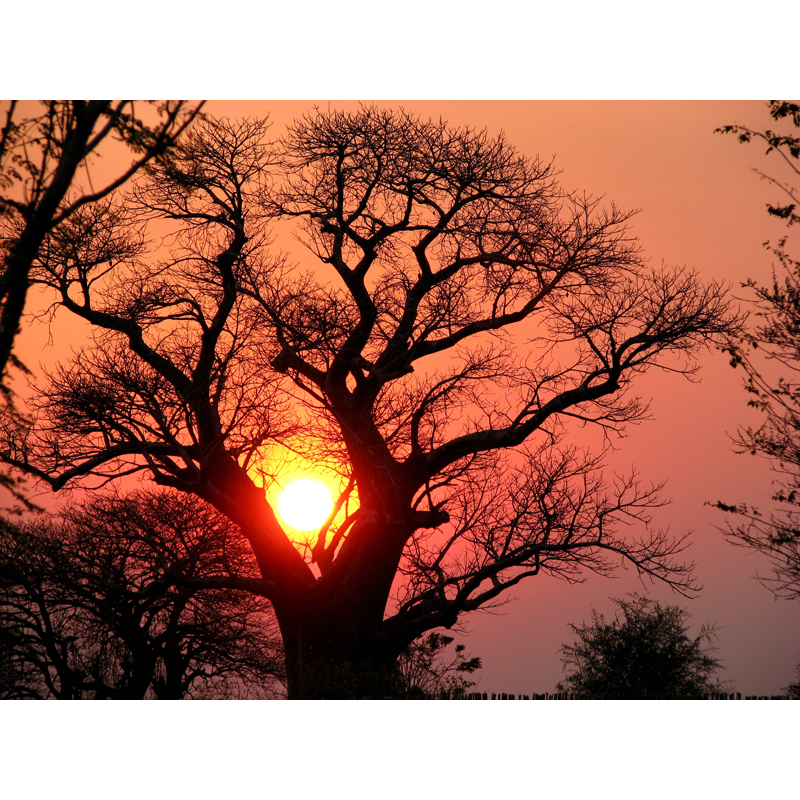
(702, 206)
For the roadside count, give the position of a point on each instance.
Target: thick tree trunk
(335, 643)
(333, 656)
(332, 626)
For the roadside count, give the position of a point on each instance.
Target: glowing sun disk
(305, 504)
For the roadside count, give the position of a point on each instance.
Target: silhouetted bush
(645, 653)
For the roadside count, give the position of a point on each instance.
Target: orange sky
(701, 205)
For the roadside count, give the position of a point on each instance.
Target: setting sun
(305, 504)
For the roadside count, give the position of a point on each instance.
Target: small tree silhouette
(643, 654)
(428, 672)
(793, 689)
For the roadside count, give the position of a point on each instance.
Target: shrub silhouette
(645, 653)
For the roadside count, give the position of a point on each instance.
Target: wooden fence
(566, 696)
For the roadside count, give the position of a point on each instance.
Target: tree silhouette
(455, 317)
(46, 176)
(793, 689)
(773, 348)
(428, 672)
(787, 148)
(644, 654)
(103, 604)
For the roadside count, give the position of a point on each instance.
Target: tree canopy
(102, 602)
(454, 317)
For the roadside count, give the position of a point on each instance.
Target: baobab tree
(454, 316)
